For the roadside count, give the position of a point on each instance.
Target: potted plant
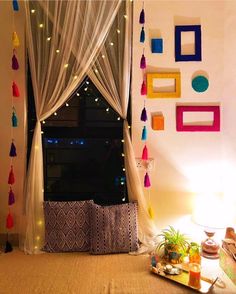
(174, 243)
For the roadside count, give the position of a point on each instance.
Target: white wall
(6, 77)
(188, 163)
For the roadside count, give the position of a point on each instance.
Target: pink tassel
(15, 90)
(9, 222)
(144, 88)
(145, 153)
(11, 177)
(147, 182)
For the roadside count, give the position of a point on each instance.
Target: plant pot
(172, 255)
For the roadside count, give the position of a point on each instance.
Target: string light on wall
(144, 117)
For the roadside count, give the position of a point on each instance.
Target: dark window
(83, 150)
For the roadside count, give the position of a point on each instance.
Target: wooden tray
(182, 278)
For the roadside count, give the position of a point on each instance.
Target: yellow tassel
(15, 40)
(151, 212)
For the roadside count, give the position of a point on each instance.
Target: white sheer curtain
(111, 75)
(63, 39)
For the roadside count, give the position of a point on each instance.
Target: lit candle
(194, 275)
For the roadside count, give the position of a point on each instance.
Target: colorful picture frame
(183, 127)
(150, 89)
(198, 43)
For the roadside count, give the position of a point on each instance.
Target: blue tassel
(12, 150)
(15, 5)
(142, 17)
(142, 35)
(144, 134)
(14, 120)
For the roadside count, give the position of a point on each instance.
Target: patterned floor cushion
(114, 228)
(67, 226)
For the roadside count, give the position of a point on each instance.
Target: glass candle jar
(195, 275)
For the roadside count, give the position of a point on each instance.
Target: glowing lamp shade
(212, 212)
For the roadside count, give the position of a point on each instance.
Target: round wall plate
(200, 83)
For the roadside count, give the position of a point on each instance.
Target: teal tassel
(14, 120)
(142, 35)
(144, 134)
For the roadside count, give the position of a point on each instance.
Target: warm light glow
(67, 104)
(112, 44)
(49, 38)
(123, 155)
(66, 65)
(32, 10)
(96, 70)
(85, 89)
(44, 122)
(118, 31)
(129, 127)
(123, 169)
(42, 132)
(96, 99)
(122, 140)
(107, 109)
(40, 222)
(118, 118)
(57, 51)
(55, 113)
(212, 210)
(38, 238)
(77, 94)
(41, 25)
(75, 77)
(87, 82)
(125, 16)
(35, 247)
(103, 56)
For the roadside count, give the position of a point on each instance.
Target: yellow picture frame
(150, 89)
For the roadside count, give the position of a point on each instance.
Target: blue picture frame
(198, 43)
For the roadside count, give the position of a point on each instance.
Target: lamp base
(210, 249)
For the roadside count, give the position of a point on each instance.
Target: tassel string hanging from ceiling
(14, 123)
(144, 116)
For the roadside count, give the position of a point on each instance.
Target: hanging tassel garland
(144, 134)
(142, 17)
(144, 88)
(142, 35)
(12, 152)
(15, 90)
(15, 64)
(145, 153)
(144, 115)
(147, 182)
(151, 211)
(143, 62)
(15, 5)
(15, 40)
(11, 197)
(11, 177)
(9, 222)
(14, 120)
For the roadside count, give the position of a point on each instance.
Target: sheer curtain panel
(63, 39)
(111, 75)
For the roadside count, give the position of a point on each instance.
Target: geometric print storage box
(67, 226)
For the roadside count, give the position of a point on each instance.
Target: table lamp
(212, 212)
